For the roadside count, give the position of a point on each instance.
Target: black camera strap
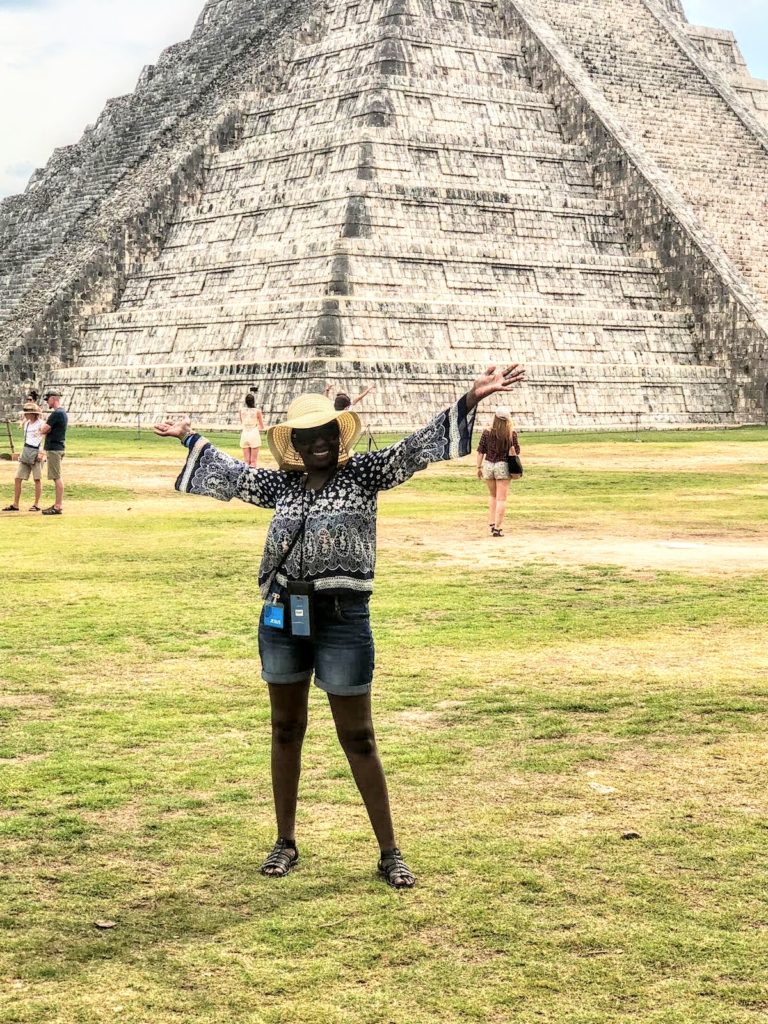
(298, 536)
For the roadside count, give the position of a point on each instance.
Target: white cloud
(60, 60)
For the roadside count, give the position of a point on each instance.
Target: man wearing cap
(316, 579)
(31, 457)
(55, 432)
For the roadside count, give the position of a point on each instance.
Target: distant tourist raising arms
(252, 422)
(343, 400)
(496, 447)
(316, 578)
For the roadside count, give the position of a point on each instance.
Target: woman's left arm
(448, 436)
(260, 419)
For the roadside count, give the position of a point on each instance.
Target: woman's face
(318, 446)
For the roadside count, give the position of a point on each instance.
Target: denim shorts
(340, 654)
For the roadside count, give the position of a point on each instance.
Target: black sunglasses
(306, 437)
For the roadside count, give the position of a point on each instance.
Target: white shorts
(250, 438)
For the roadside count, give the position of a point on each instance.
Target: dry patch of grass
(535, 706)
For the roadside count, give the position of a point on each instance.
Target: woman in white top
(252, 422)
(33, 424)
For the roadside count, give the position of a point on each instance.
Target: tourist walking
(55, 432)
(252, 422)
(496, 446)
(316, 579)
(31, 456)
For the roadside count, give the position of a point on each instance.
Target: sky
(60, 60)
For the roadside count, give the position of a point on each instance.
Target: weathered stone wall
(406, 190)
(730, 315)
(68, 244)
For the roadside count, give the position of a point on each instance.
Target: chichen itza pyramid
(397, 191)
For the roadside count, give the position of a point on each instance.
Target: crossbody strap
(298, 536)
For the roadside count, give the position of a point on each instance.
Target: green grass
(529, 713)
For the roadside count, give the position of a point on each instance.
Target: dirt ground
(637, 546)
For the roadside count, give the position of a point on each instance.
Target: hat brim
(286, 456)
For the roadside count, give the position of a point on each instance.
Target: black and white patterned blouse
(338, 549)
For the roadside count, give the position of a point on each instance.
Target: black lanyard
(298, 536)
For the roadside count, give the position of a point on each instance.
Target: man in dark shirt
(55, 432)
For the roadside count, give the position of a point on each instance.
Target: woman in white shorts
(33, 424)
(495, 446)
(252, 422)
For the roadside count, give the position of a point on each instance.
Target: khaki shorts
(496, 470)
(54, 465)
(24, 472)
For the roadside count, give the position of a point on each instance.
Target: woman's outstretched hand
(493, 381)
(178, 430)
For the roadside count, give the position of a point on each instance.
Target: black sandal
(394, 870)
(280, 862)
(497, 532)
(11, 508)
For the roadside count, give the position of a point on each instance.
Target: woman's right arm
(482, 450)
(212, 473)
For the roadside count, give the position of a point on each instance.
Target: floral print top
(337, 551)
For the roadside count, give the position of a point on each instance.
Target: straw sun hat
(32, 408)
(309, 411)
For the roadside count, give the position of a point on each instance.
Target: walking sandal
(497, 532)
(11, 508)
(283, 859)
(394, 870)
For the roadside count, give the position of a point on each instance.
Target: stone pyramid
(396, 192)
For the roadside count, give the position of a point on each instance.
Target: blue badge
(274, 616)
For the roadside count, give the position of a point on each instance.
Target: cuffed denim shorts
(340, 654)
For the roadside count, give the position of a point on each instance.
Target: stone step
(356, 89)
(464, 310)
(181, 261)
(555, 197)
(451, 147)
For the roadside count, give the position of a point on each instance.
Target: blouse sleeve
(448, 436)
(214, 474)
(482, 448)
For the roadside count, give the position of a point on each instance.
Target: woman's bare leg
(354, 727)
(255, 452)
(502, 489)
(247, 456)
(491, 485)
(38, 491)
(289, 725)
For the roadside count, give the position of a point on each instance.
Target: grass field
(600, 672)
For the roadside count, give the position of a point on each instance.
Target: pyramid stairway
(404, 210)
